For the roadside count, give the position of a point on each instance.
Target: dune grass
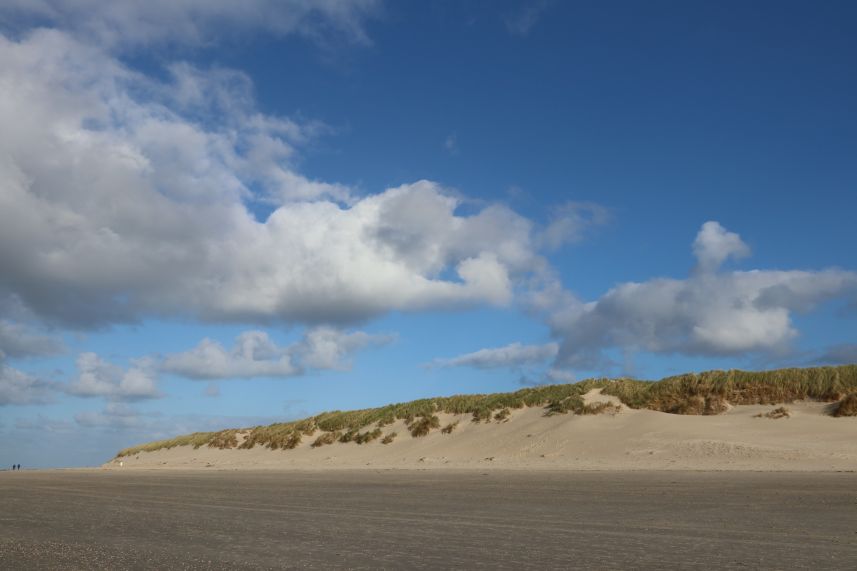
(423, 425)
(693, 393)
(449, 428)
(847, 406)
(601, 408)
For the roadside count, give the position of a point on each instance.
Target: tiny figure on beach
(19, 467)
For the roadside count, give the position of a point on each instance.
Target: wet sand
(427, 519)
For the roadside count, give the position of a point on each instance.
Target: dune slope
(745, 437)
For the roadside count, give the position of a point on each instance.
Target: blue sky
(218, 214)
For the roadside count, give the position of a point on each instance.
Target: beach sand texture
(624, 439)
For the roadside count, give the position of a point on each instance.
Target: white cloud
(714, 245)
(125, 197)
(709, 313)
(197, 23)
(510, 356)
(19, 341)
(116, 415)
(19, 388)
(98, 378)
(255, 354)
(330, 348)
(570, 221)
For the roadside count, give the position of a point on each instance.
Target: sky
(218, 214)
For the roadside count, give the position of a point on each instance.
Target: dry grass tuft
(847, 406)
(573, 403)
(224, 439)
(368, 436)
(424, 425)
(325, 439)
(449, 428)
(779, 412)
(503, 415)
(389, 438)
(482, 415)
(601, 408)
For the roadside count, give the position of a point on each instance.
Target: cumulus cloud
(17, 387)
(19, 341)
(98, 378)
(255, 354)
(124, 197)
(510, 356)
(714, 245)
(709, 313)
(330, 348)
(130, 24)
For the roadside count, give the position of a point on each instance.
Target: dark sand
(411, 519)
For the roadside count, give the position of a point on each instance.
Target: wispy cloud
(509, 356)
(521, 21)
(128, 24)
(451, 144)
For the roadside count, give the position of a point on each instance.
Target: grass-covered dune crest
(706, 393)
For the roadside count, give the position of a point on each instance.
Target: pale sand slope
(629, 440)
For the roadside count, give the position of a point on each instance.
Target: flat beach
(85, 519)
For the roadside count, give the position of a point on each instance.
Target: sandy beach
(408, 519)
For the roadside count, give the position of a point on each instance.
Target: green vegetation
(707, 393)
(368, 436)
(693, 393)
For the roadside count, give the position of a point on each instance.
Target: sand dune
(739, 439)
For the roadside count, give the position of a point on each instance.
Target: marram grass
(691, 393)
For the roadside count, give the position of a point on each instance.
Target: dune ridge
(719, 420)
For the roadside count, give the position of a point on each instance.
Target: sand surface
(809, 440)
(409, 519)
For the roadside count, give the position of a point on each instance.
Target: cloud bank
(712, 312)
(255, 354)
(125, 197)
